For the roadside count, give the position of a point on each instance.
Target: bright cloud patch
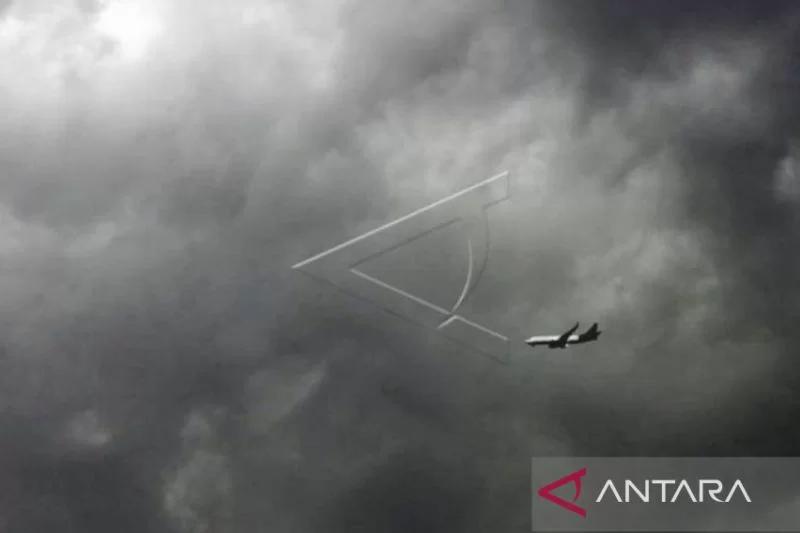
(130, 26)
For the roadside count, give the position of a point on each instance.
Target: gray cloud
(165, 163)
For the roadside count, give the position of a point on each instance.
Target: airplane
(561, 341)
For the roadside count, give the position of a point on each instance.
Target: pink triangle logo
(546, 492)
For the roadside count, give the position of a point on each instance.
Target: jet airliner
(568, 337)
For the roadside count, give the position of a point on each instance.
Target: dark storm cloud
(165, 165)
(728, 171)
(621, 43)
(413, 491)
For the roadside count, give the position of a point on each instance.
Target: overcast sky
(164, 163)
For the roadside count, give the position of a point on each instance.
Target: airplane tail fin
(590, 334)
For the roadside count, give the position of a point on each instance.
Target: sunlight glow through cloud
(130, 25)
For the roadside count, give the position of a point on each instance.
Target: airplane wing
(565, 337)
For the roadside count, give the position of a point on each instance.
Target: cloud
(787, 182)
(198, 495)
(160, 177)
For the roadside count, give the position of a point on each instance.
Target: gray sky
(163, 164)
